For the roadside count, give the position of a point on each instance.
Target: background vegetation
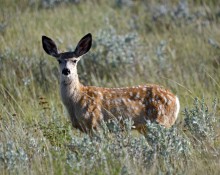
(174, 43)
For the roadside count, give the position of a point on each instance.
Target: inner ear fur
(84, 45)
(49, 46)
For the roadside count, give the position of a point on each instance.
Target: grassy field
(172, 43)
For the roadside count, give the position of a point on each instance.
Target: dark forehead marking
(66, 55)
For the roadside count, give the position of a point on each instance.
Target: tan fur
(88, 105)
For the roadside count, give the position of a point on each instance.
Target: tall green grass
(133, 44)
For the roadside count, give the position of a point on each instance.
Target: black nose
(65, 71)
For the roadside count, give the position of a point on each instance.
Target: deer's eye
(59, 61)
(74, 61)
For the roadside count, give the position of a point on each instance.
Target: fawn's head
(67, 60)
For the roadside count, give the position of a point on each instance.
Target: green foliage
(119, 52)
(201, 121)
(112, 149)
(174, 44)
(56, 132)
(11, 156)
(166, 142)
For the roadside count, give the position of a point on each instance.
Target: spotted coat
(142, 103)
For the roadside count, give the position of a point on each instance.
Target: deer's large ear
(84, 45)
(49, 46)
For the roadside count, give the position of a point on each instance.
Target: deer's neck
(70, 89)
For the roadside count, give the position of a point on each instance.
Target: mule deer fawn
(89, 105)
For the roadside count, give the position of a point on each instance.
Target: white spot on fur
(87, 115)
(165, 99)
(116, 103)
(170, 97)
(168, 102)
(135, 108)
(119, 100)
(99, 108)
(158, 89)
(84, 104)
(131, 94)
(123, 100)
(137, 95)
(101, 116)
(160, 107)
(159, 112)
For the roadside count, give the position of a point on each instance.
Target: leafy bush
(160, 147)
(114, 148)
(12, 157)
(165, 141)
(113, 54)
(200, 121)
